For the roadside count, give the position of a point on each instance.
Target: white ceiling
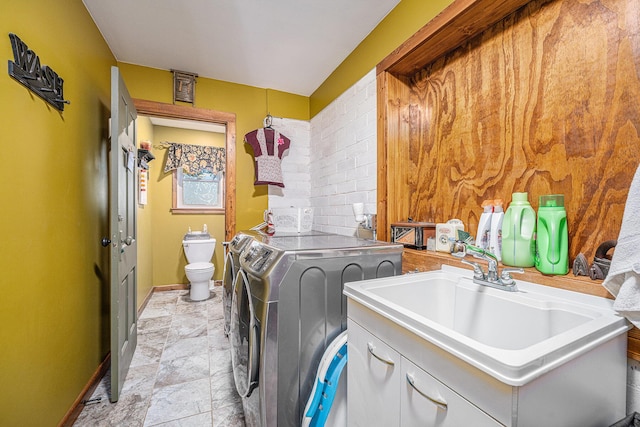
(286, 45)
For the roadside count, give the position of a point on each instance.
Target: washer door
(230, 272)
(244, 334)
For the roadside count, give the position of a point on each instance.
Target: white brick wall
(295, 166)
(332, 162)
(343, 160)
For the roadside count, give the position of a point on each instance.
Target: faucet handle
(506, 278)
(478, 273)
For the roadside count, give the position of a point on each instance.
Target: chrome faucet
(491, 278)
(369, 222)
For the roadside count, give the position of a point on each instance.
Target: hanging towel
(623, 280)
(268, 147)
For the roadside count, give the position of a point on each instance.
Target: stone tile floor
(180, 374)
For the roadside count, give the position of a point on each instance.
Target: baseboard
(163, 288)
(145, 301)
(175, 287)
(74, 412)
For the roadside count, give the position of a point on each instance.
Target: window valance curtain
(195, 159)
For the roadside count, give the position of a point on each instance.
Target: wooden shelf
(428, 260)
(455, 25)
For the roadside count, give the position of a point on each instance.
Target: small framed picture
(184, 86)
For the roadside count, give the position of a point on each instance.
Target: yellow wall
(53, 270)
(403, 21)
(54, 308)
(167, 229)
(145, 222)
(250, 106)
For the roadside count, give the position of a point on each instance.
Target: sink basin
(513, 336)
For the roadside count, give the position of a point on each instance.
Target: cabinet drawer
(373, 380)
(425, 401)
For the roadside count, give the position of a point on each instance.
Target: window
(198, 178)
(195, 194)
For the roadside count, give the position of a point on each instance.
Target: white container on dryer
(199, 269)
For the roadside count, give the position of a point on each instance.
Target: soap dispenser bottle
(552, 255)
(484, 225)
(518, 233)
(495, 238)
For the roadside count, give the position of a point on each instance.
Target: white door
(123, 232)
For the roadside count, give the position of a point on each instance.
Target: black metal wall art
(40, 79)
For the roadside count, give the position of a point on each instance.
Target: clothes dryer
(287, 307)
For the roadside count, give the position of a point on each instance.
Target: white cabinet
(378, 393)
(386, 389)
(425, 401)
(373, 383)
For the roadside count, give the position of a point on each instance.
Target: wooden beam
(459, 22)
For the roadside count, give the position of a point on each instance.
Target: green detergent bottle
(518, 233)
(552, 256)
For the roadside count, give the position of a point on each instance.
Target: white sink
(513, 336)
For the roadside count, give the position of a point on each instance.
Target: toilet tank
(199, 250)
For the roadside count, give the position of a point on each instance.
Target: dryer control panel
(239, 242)
(257, 258)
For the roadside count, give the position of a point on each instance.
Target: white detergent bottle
(495, 238)
(484, 225)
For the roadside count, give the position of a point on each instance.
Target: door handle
(105, 242)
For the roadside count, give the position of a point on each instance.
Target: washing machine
(233, 249)
(287, 307)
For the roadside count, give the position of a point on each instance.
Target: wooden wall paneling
(544, 100)
(382, 195)
(230, 178)
(633, 347)
(422, 178)
(399, 150)
(393, 171)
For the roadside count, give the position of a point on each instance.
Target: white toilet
(199, 248)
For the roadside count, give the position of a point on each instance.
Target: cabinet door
(373, 380)
(427, 402)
